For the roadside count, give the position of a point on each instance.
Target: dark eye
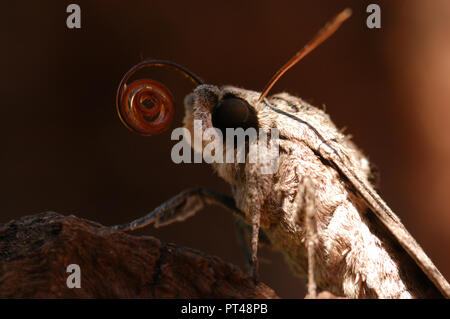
(233, 112)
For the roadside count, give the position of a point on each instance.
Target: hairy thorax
(351, 259)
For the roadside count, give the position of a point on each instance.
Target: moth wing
(333, 152)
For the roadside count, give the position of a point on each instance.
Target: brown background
(64, 149)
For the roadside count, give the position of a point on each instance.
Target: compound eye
(233, 112)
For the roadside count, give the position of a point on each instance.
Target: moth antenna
(321, 36)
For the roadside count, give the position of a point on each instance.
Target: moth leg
(256, 224)
(243, 230)
(255, 220)
(181, 207)
(305, 202)
(311, 234)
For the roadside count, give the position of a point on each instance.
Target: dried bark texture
(36, 250)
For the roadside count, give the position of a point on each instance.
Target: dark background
(64, 149)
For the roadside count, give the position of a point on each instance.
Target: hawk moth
(361, 250)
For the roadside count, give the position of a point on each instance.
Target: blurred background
(64, 149)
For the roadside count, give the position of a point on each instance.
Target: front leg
(181, 207)
(243, 233)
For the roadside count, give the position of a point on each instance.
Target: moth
(320, 208)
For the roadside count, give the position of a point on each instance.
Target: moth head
(222, 111)
(221, 108)
(147, 106)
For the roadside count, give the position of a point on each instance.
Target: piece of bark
(36, 250)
